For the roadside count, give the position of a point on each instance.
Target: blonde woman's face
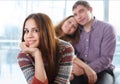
(31, 33)
(69, 26)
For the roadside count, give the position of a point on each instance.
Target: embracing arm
(91, 74)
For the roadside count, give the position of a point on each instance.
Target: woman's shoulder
(64, 43)
(65, 46)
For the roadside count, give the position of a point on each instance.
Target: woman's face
(31, 34)
(69, 26)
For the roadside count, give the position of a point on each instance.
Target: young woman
(44, 59)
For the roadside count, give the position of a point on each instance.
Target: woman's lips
(30, 42)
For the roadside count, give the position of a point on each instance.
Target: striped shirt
(65, 66)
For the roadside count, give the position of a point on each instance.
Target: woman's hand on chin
(29, 50)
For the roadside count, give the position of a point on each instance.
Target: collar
(93, 25)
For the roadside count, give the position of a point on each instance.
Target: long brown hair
(73, 39)
(48, 42)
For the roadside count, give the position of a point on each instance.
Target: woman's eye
(36, 30)
(69, 22)
(26, 31)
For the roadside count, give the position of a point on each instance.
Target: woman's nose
(79, 16)
(70, 25)
(29, 34)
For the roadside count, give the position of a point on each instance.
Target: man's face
(82, 14)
